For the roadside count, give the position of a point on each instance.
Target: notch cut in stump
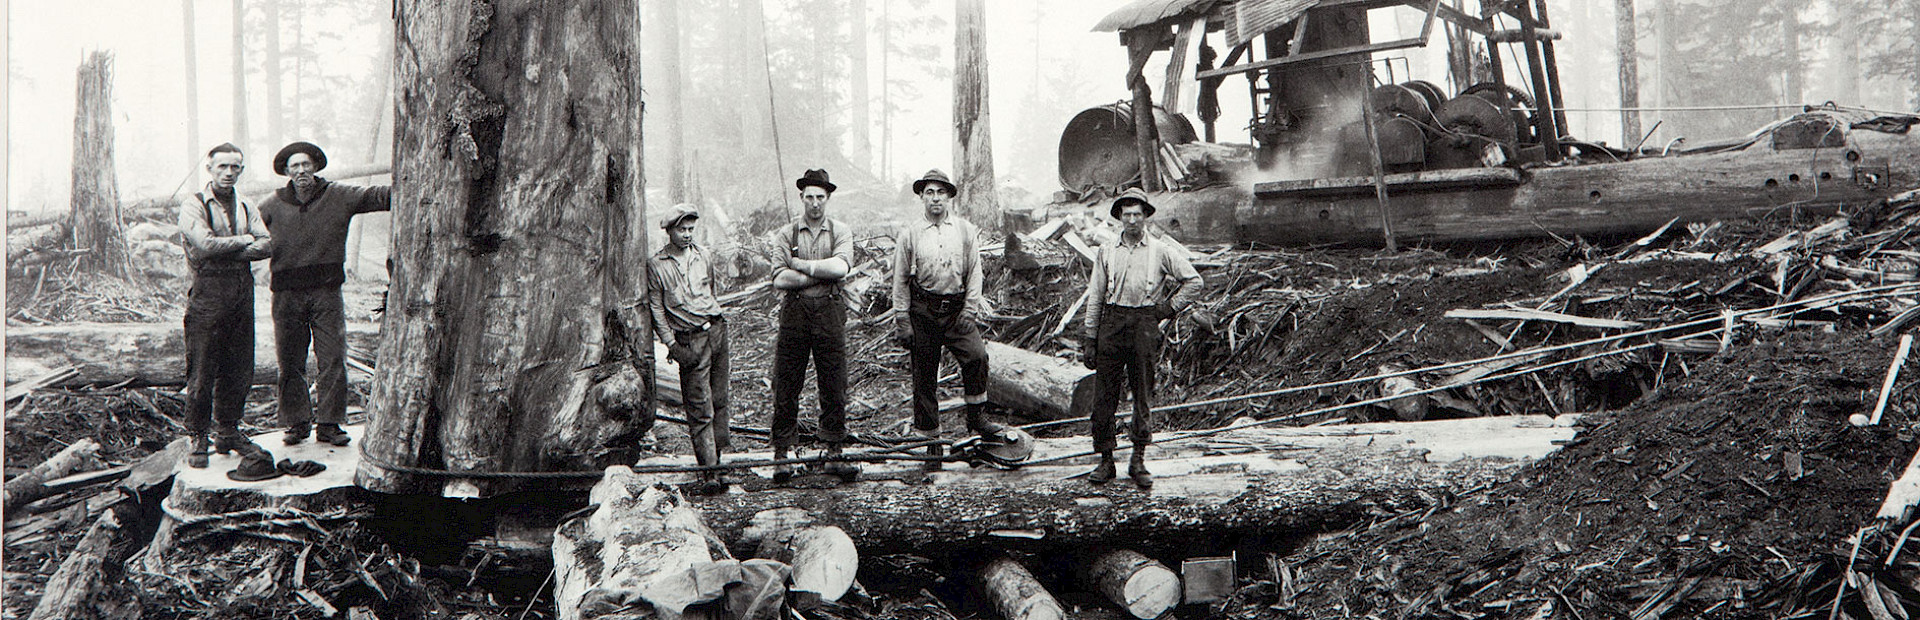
(1137, 583)
(644, 553)
(1050, 387)
(1016, 594)
(824, 559)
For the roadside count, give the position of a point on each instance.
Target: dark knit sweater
(310, 239)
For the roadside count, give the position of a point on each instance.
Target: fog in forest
(863, 88)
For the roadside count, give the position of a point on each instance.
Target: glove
(1088, 353)
(902, 334)
(679, 353)
(1165, 310)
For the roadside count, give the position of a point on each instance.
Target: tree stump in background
(99, 231)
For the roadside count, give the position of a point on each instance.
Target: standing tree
(862, 123)
(99, 232)
(972, 138)
(518, 167)
(270, 71)
(1625, 40)
(671, 95)
(193, 85)
(239, 74)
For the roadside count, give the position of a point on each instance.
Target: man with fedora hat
(813, 318)
(1126, 300)
(938, 302)
(309, 218)
(224, 234)
(683, 294)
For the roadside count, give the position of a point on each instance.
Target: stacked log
(1136, 583)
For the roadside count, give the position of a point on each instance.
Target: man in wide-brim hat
(938, 302)
(309, 218)
(1127, 297)
(813, 324)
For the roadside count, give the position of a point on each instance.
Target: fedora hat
(1131, 195)
(816, 177)
(680, 212)
(935, 176)
(312, 150)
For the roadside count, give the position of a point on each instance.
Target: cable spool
(1428, 91)
(1392, 99)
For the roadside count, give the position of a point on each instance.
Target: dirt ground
(1703, 485)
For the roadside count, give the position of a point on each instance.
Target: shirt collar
(667, 251)
(826, 224)
(1136, 244)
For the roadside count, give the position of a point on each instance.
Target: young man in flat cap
(1127, 298)
(224, 235)
(309, 218)
(813, 319)
(683, 294)
(938, 302)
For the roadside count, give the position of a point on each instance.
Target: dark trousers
(942, 321)
(810, 327)
(704, 371)
(219, 338)
(1126, 351)
(311, 316)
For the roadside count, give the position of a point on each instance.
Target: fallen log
(31, 485)
(1016, 594)
(1279, 479)
(823, 558)
(644, 548)
(1051, 387)
(1540, 315)
(68, 594)
(1134, 582)
(140, 353)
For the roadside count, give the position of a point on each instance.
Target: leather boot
(938, 452)
(782, 473)
(1103, 472)
(1137, 467)
(331, 433)
(847, 472)
(231, 441)
(197, 458)
(296, 434)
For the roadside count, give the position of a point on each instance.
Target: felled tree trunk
(1047, 386)
(644, 551)
(1016, 594)
(31, 485)
(823, 558)
(1134, 582)
(144, 353)
(518, 245)
(70, 591)
(98, 226)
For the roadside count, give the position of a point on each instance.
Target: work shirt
(941, 258)
(213, 231)
(681, 289)
(1132, 274)
(831, 239)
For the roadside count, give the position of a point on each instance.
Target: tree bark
(69, 592)
(1134, 582)
(239, 75)
(1140, 44)
(644, 548)
(517, 166)
(1626, 39)
(1050, 387)
(31, 485)
(270, 71)
(1016, 594)
(972, 135)
(670, 93)
(99, 229)
(193, 84)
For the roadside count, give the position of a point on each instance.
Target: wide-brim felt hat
(1132, 195)
(679, 212)
(312, 150)
(935, 176)
(815, 177)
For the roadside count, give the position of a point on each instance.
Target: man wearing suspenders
(223, 235)
(813, 319)
(937, 301)
(1125, 304)
(683, 292)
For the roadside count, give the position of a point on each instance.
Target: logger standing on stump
(224, 235)
(686, 315)
(938, 303)
(309, 218)
(1124, 309)
(813, 319)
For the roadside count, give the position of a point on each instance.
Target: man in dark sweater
(309, 219)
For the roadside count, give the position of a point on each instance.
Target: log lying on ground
(69, 592)
(1244, 481)
(31, 485)
(1134, 582)
(1050, 387)
(644, 548)
(143, 353)
(1016, 594)
(824, 559)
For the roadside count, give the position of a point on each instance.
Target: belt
(699, 330)
(1120, 308)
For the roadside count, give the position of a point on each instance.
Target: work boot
(782, 473)
(1137, 468)
(847, 472)
(1104, 471)
(330, 433)
(296, 434)
(231, 441)
(197, 458)
(939, 453)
